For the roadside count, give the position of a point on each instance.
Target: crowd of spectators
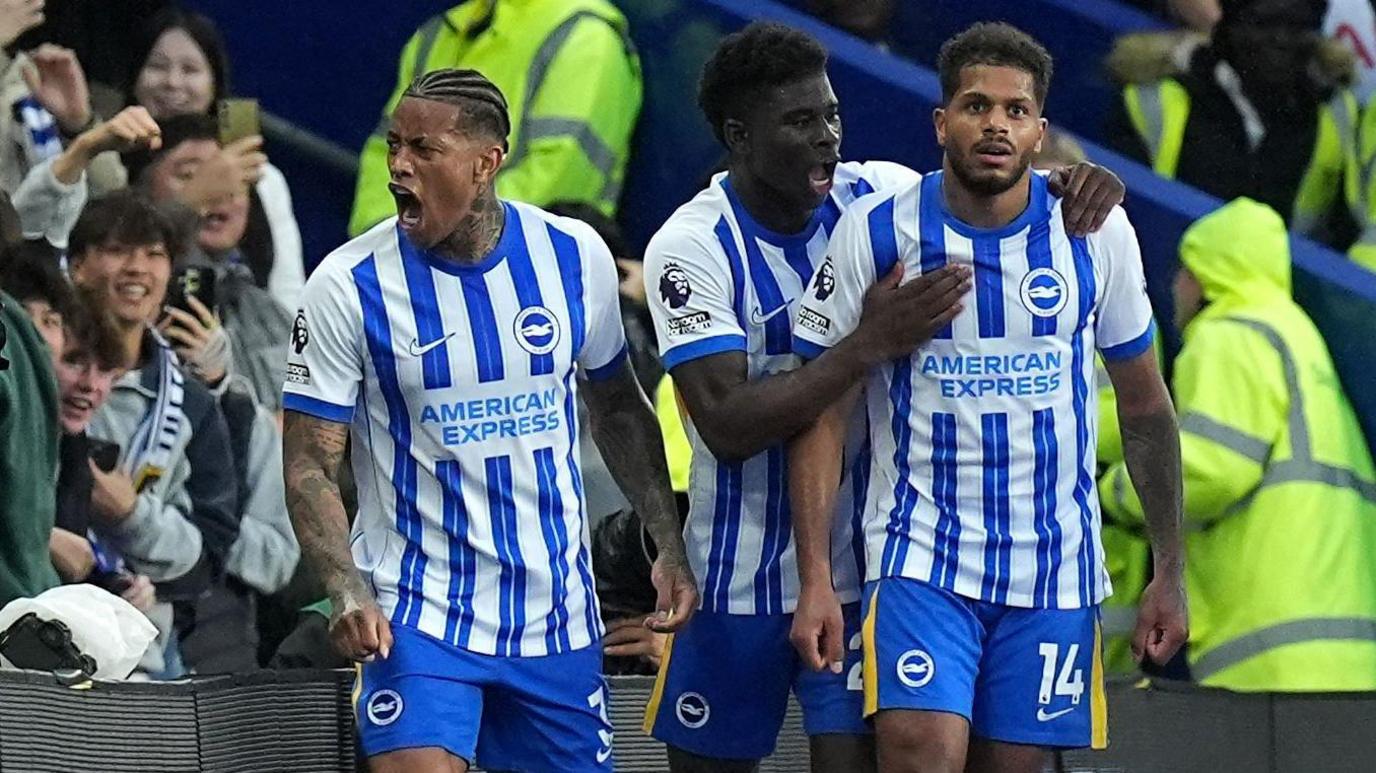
(140, 441)
(157, 267)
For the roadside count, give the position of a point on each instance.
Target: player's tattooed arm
(739, 417)
(626, 431)
(1151, 447)
(312, 450)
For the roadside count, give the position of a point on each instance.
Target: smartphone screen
(192, 282)
(238, 119)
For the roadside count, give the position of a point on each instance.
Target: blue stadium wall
(329, 67)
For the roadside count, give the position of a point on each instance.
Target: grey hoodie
(190, 511)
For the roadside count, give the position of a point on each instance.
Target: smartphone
(192, 282)
(104, 453)
(238, 119)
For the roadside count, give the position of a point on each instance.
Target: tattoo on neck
(478, 232)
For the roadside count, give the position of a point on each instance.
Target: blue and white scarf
(149, 454)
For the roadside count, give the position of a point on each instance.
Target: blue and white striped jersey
(459, 385)
(717, 281)
(983, 480)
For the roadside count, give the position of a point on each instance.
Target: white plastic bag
(103, 625)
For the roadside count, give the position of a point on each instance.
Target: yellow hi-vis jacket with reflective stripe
(1363, 251)
(573, 88)
(1159, 112)
(1280, 492)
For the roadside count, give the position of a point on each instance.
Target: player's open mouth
(993, 153)
(408, 206)
(820, 178)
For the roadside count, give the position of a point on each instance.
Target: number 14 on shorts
(1069, 682)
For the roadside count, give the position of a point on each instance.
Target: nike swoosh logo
(603, 755)
(1042, 716)
(419, 351)
(759, 318)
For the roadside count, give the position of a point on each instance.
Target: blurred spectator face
(1271, 56)
(792, 141)
(222, 226)
(1189, 297)
(131, 279)
(176, 78)
(434, 169)
(632, 273)
(1058, 149)
(49, 323)
(992, 127)
(82, 387)
(868, 19)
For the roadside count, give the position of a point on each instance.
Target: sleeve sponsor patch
(693, 323)
(814, 321)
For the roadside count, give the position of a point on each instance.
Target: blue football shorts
(532, 714)
(723, 686)
(1026, 676)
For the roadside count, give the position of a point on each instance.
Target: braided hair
(481, 105)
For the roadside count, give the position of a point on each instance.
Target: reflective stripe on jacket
(572, 83)
(1280, 491)
(1160, 111)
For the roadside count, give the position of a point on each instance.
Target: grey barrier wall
(284, 721)
(303, 721)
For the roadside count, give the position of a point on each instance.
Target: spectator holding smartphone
(182, 69)
(170, 509)
(91, 362)
(257, 326)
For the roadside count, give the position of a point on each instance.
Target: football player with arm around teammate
(723, 277)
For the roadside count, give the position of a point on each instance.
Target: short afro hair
(997, 44)
(746, 63)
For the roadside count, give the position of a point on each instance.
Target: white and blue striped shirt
(717, 281)
(459, 385)
(984, 439)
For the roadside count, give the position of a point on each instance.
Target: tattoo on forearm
(312, 452)
(625, 430)
(1151, 447)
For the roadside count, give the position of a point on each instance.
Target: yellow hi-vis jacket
(678, 452)
(1363, 251)
(1159, 112)
(1280, 492)
(573, 88)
